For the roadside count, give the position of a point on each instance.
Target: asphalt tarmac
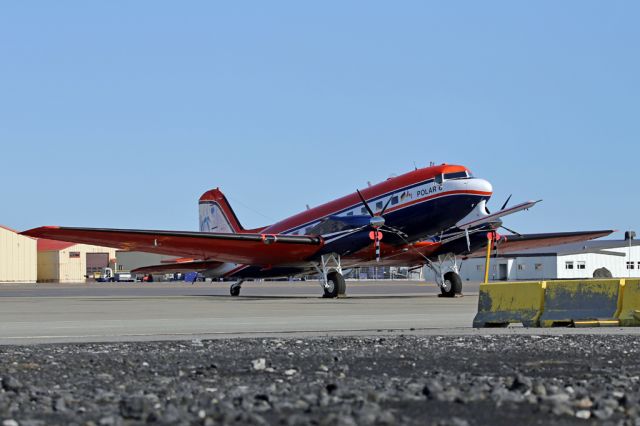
(160, 311)
(99, 312)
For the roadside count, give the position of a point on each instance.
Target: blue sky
(120, 114)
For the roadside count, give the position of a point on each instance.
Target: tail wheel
(234, 290)
(452, 285)
(337, 286)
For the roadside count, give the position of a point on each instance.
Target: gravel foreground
(434, 380)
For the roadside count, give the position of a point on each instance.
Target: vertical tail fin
(216, 215)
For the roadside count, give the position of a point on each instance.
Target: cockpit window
(456, 175)
(439, 179)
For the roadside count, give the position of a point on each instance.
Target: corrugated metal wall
(18, 257)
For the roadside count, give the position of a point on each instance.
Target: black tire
(453, 285)
(337, 286)
(234, 290)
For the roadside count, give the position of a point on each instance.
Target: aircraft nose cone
(481, 185)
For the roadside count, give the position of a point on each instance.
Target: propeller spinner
(378, 224)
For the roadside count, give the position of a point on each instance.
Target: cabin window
(363, 210)
(350, 213)
(568, 265)
(379, 205)
(394, 200)
(581, 265)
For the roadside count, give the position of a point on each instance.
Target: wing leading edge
(251, 249)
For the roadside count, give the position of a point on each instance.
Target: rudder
(216, 215)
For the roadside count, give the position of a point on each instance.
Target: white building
(568, 261)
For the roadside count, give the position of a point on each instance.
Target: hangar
(18, 257)
(71, 263)
(567, 261)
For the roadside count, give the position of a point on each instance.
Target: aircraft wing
(517, 243)
(251, 249)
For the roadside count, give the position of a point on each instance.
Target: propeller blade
(511, 230)
(365, 203)
(504, 206)
(394, 231)
(384, 209)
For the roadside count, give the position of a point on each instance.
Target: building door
(503, 272)
(96, 262)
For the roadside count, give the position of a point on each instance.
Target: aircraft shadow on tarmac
(251, 298)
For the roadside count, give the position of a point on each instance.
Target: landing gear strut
(332, 282)
(234, 290)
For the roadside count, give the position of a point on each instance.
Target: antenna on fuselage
(431, 164)
(415, 166)
(308, 208)
(369, 184)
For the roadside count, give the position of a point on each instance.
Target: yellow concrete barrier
(581, 303)
(629, 306)
(501, 304)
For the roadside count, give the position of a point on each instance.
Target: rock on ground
(434, 380)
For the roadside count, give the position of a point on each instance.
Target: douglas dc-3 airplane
(429, 216)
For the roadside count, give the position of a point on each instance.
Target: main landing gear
(332, 281)
(447, 274)
(234, 290)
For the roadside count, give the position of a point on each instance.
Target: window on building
(538, 266)
(394, 200)
(581, 265)
(568, 265)
(638, 265)
(479, 267)
(630, 265)
(521, 267)
(74, 254)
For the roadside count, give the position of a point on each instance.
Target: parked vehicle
(109, 277)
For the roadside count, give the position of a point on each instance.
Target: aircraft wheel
(234, 290)
(337, 286)
(452, 285)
